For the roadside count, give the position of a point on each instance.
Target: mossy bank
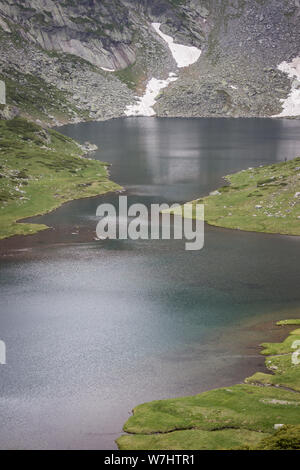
(40, 170)
(263, 199)
(262, 413)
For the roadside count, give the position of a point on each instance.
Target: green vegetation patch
(241, 416)
(286, 438)
(281, 348)
(263, 199)
(194, 439)
(240, 406)
(288, 322)
(284, 372)
(39, 170)
(35, 98)
(133, 76)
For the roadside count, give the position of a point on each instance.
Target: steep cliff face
(90, 58)
(101, 32)
(96, 31)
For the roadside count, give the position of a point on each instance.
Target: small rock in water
(88, 147)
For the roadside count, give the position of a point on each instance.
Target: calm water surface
(94, 328)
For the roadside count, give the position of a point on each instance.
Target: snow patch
(183, 55)
(107, 70)
(291, 105)
(144, 107)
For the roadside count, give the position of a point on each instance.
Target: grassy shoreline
(263, 199)
(243, 416)
(39, 171)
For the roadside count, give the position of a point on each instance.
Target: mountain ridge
(92, 58)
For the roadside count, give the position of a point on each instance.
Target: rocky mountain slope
(64, 61)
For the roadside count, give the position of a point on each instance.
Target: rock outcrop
(8, 112)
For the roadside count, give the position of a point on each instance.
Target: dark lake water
(94, 328)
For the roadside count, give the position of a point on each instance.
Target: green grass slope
(240, 416)
(36, 99)
(40, 170)
(262, 199)
(283, 371)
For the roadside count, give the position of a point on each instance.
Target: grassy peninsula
(40, 170)
(262, 413)
(262, 199)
